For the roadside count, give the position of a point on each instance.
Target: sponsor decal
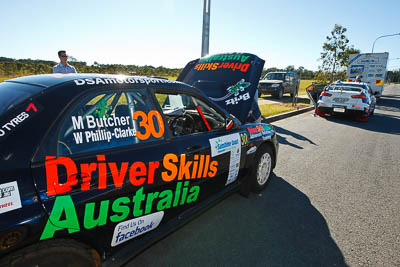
(9, 197)
(127, 230)
(64, 215)
(102, 109)
(121, 80)
(139, 173)
(239, 57)
(235, 100)
(379, 82)
(370, 75)
(262, 130)
(369, 59)
(104, 127)
(244, 138)
(238, 87)
(13, 123)
(379, 75)
(243, 67)
(356, 69)
(251, 150)
(234, 92)
(89, 129)
(228, 144)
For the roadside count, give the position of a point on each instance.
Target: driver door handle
(191, 148)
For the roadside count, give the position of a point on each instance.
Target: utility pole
(382, 37)
(206, 28)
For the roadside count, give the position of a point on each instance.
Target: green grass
(172, 78)
(303, 86)
(274, 109)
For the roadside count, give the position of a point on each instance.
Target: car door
(199, 131)
(105, 179)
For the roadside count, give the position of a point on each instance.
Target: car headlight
(275, 85)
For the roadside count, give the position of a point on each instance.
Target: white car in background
(350, 98)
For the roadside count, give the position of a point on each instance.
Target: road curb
(286, 115)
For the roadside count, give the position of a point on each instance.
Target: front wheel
(262, 169)
(59, 252)
(279, 95)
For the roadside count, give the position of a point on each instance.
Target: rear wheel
(362, 118)
(320, 113)
(59, 252)
(262, 169)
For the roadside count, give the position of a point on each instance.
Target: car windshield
(274, 76)
(357, 85)
(11, 94)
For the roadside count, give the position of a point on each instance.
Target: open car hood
(230, 80)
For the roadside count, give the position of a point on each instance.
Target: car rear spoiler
(230, 80)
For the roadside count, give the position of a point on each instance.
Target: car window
(110, 119)
(11, 94)
(344, 88)
(186, 114)
(274, 76)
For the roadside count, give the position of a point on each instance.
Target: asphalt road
(334, 200)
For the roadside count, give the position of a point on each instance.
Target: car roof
(49, 80)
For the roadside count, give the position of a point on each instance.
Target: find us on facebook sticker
(127, 230)
(9, 197)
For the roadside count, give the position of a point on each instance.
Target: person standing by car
(63, 66)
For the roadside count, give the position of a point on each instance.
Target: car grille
(340, 99)
(264, 85)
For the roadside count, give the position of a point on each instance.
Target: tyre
(320, 113)
(59, 252)
(279, 94)
(262, 169)
(362, 118)
(292, 95)
(259, 94)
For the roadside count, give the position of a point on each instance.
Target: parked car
(279, 83)
(95, 167)
(349, 98)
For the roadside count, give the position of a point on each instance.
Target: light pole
(206, 28)
(382, 37)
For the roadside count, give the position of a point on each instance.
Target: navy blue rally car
(94, 168)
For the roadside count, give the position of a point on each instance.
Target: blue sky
(168, 32)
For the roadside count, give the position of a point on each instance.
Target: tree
(335, 51)
(290, 68)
